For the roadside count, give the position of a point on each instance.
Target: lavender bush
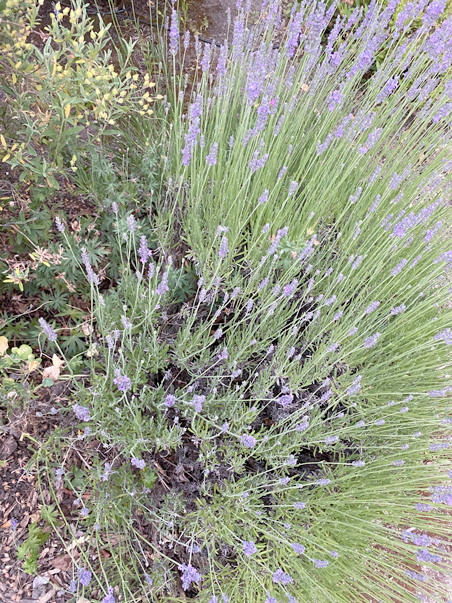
(284, 434)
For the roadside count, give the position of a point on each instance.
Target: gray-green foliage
(302, 392)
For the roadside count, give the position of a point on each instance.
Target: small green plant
(29, 551)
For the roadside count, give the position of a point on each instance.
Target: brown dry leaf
(53, 372)
(62, 562)
(86, 328)
(82, 600)
(105, 554)
(6, 525)
(3, 345)
(35, 516)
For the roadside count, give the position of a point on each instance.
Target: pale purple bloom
(211, 158)
(282, 172)
(358, 463)
(298, 548)
(371, 141)
(138, 463)
(249, 548)
(81, 412)
(425, 555)
(289, 290)
(373, 306)
(249, 305)
(293, 187)
(335, 99)
(223, 252)
(109, 598)
(299, 505)
(198, 401)
(319, 563)
(84, 512)
(387, 89)
(206, 57)
(107, 472)
(338, 315)
(285, 399)
(163, 285)
(131, 223)
(379, 422)
(415, 576)
(399, 267)
(323, 482)
(357, 262)
(248, 441)
(398, 309)
(372, 340)
(398, 463)
(262, 199)
(126, 322)
(333, 347)
(281, 577)
(48, 330)
(189, 575)
(174, 33)
(331, 439)
(143, 250)
(223, 355)
(170, 400)
(355, 387)
(352, 331)
(59, 224)
(123, 382)
(235, 292)
(218, 333)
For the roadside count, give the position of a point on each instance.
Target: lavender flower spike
(223, 248)
(48, 330)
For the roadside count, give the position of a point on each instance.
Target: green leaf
(47, 382)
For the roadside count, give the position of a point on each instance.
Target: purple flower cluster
(281, 577)
(189, 575)
(249, 548)
(48, 330)
(372, 340)
(122, 382)
(90, 274)
(81, 412)
(138, 463)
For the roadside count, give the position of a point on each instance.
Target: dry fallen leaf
(53, 372)
(62, 562)
(3, 345)
(82, 600)
(6, 525)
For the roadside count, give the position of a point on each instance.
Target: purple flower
(249, 548)
(107, 472)
(285, 399)
(387, 89)
(198, 401)
(415, 576)
(81, 412)
(357, 262)
(163, 286)
(189, 575)
(48, 330)
(263, 199)
(289, 290)
(372, 340)
(319, 563)
(59, 224)
(138, 463)
(143, 250)
(281, 577)
(248, 441)
(174, 33)
(358, 463)
(84, 576)
(126, 322)
(282, 172)
(355, 387)
(398, 310)
(84, 512)
(123, 383)
(323, 482)
(423, 507)
(109, 598)
(14, 523)
(331, 439)
(223, 248)
(425, 555)
(298, 548)
(398, 463)
(223, 355)
(90, 274)
(299, 505)
(399, 267)
(373, 306)
(335, 99)
(292, 188)
(211, 158)
(170, 400)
